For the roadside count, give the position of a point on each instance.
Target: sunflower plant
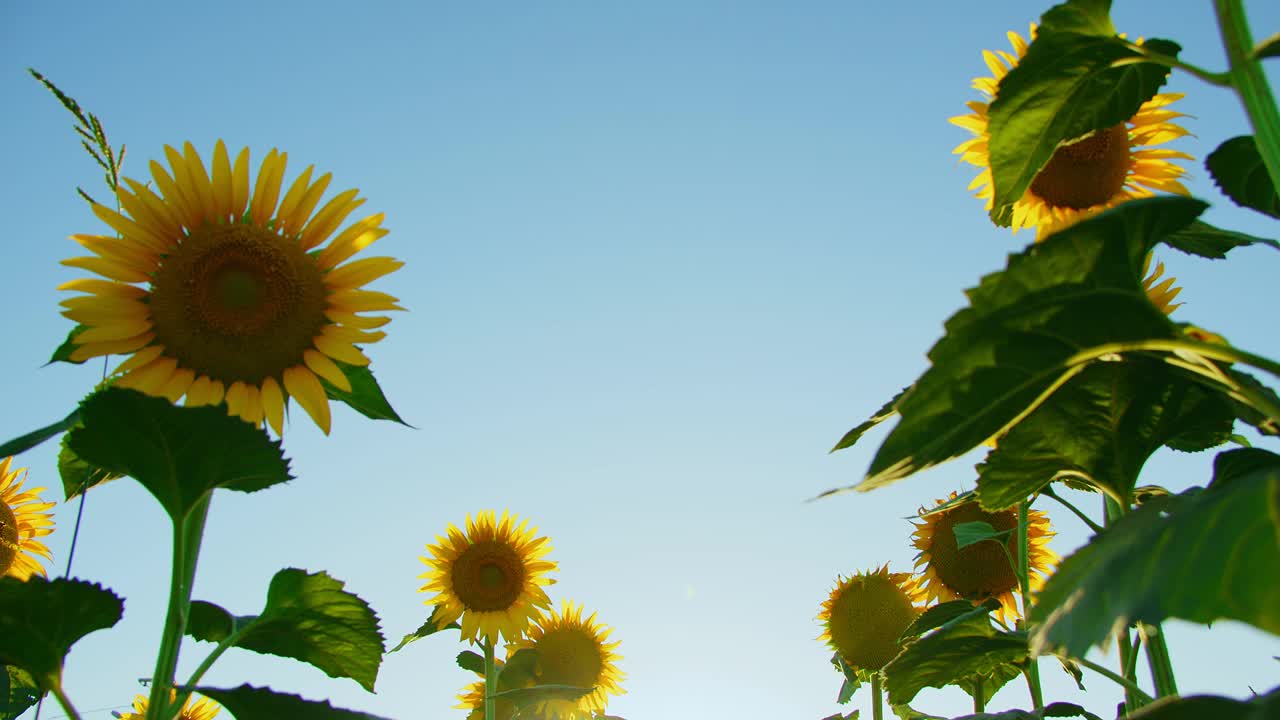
(1069, 367)
(231, 299)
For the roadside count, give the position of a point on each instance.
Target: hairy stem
(1250, 82)
(187, 534)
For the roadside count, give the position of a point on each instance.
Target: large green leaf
(308, 617)
(1238, 170)
(1100, 428)
(1206, 707)
(251, 703)
(953, 657)
(77, 475)
(18, 691)
(40, 620)
(35, 437)
(1201, 238)
(365, 397)
(1057, 307)
(1204, 557)
(179, 454)
(1069, 84)
(1087, 17)
(948, 613)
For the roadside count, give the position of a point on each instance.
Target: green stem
(1250, 82)
(1112, 511)
(227, 642)
(979, 697)
(1220, 79)
(1158, 659)
(490, 682)
(877, 701)
(1023, 570)
(1048, 492)
(1130, 687)
(55, 687)
(187, 534)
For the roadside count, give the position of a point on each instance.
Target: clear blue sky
(660, 256)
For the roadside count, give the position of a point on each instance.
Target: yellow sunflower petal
(304, 387)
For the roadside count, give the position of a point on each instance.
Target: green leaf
(1087, 17)
(35, 437)
(1202, 558)
(1239, 172)
(250, 703)
(430, 627)
(1057, 307)
(366, 396)
(18, 691)
(1068, 85)
(884, 413)
(851, 681)
(1207, 241)
(308, 617)
(180, 454)
(468, 660)
(946, 613)
(948, 658)
(68, 346)
(1268, 48)
(1052, 710)
(1101, 428)
(906, 712)
(40, 620)
(972, 533)
(77, 475)
(526, 696)
(1200, 707)
(520, 670)
(992, 682)
(1262, 422)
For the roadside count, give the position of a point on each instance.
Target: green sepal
(430, 627)
(18, 691)
(1068, 85)
(1203, 556)
(251, 703)
(35, 437)
(1101, 428)
(68, 346)
(308, 617)
(41, 619)
(1200, 707)
(468, 660)
(1201, 238)
(365, 397)
(180, 454)
(1028, 329)
(1238, 170)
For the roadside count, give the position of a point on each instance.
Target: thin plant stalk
(1129, 686)
(63, 700)
(187, 535)
(1250, 83)
(1158, 659)
(877, 699)
(490, 682)
(979, 696)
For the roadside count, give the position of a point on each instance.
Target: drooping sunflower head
(491, 576)
(577, 652)
(1084, 176)
(865, 614)
(22, 520)
(219, 291)
(196, 708)
(982, 570)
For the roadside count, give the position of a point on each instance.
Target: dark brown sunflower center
(1085, 173)
(488, 576)
(866, 621)
(980, 570)
(237, 302)
(8, 537)
(569, 656)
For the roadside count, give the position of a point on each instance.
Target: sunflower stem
(1113, 511)
(55, 687)
(1250, 83)
(227, 642)
(979, 699)
(877, 699)
(1023, 569)
(1130, 687)
(187, 534)
(1158, 659)
(490, 682)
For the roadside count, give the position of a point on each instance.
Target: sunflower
(195, 709)
(1088, 175)
(981, 570)
(491, 576)
(22, 520)
(865, 614)
(1161, 294)
(218, 292)
(472, 699)
(573, 651)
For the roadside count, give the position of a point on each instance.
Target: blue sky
(660, 256)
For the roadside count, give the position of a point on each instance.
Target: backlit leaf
(430, 627)
(365, 397)
(947, 658)
(18, 691)
(1239, 172)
